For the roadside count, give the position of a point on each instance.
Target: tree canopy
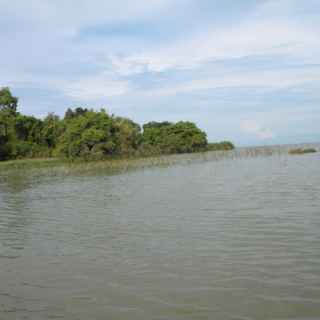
(88, 134)
(7, 100)
(180, 137)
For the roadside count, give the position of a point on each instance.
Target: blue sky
(248, 70)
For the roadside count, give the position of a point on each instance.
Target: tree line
(88, 134)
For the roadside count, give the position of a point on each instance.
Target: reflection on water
(231, 239)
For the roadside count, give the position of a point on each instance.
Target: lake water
(230, 239)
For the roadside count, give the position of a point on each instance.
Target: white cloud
(253, 127)
(254, 38)
(95, 88)
(126, 66)
(261, 32)
(258, 34)
(43, 48)
(267, 80)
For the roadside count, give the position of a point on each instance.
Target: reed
(299, 151)
(61, 167)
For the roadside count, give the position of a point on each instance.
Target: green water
(233, 238)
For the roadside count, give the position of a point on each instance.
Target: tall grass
(58, 167)
(302, 150)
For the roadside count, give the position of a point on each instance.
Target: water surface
(231, 239)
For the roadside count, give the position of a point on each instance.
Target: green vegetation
(92, 135)
(302, 151)
(224, 145)
(168, 138)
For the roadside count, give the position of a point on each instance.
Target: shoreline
(57, 166)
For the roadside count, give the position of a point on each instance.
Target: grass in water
(302, 151)
(59, 167)
(51, 167)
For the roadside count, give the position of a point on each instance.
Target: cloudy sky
(244, 70)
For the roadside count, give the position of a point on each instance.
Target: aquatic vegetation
(302, 151)
(51, 167)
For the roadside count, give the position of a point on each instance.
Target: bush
(224, 145)
(95, 135)
(167, 138)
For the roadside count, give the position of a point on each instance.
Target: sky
(242, 70)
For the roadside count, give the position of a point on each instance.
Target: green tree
(7, 100)
(75, 113)
(127, 135)
(28, 128)
(220, 146)
(93, 135)
(180, 137)
(28, 134)
(89, 135)
(52, 129)
(7, 135)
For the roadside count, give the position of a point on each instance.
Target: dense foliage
(92, 134)
(95, 135)
(180, 137)
(223, 145)
(7, 101)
